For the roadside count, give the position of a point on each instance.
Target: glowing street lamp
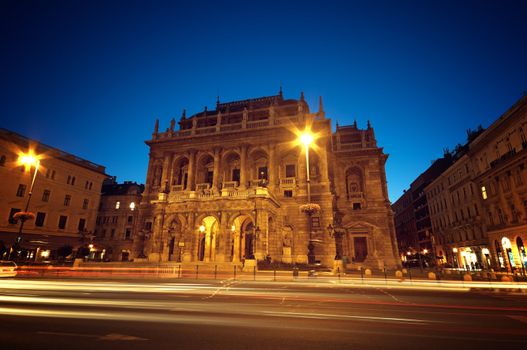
(28, 160)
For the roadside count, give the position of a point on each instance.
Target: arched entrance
(243, 238)
(207, 239)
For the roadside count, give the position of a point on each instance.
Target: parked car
(7, 269)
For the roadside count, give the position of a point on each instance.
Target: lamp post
(306, 138)
(27, 160)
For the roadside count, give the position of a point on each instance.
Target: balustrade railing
(288, 182)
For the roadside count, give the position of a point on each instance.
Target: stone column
(216, 177)
(272, 167)
(243, 165)
(191, 170)
(166, 172)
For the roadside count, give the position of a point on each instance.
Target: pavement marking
(391, 296)
(108, 337)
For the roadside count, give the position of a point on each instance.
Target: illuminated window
(483, 192)
(117, 205)
(132, 206)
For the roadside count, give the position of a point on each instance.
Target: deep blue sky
(90, 77)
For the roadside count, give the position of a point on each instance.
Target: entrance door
(361, 249)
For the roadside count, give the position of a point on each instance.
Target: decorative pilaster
(243, 165)
(216, 175)
(166, 172)
(191, 170)
(272, 167)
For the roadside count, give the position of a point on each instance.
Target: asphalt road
(90, 314)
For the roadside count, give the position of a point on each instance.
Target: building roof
(41, 148)
(115, 189)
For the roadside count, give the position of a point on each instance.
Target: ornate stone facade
(228, 187)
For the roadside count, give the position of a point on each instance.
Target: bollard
(385, 276)
(179, 271)
(234, 272)
(215, 271)
(254, 273)
(295, 272)
(274, 275)
(410, 275)
(338, 272)
(197, 269)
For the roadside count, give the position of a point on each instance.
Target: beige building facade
(64, 202)
(479, 204)
(231, 186)
(499, 157)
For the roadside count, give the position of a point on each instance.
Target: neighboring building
(499, 158)
(116, 220)
(405, 228)
(412, 216)
(65, 197)
(479, 204)
(455, 211)
(228, 187)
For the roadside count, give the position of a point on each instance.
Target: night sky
(90, 77)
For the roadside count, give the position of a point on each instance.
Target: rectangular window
(62, 222)
(82, 224)
(128, 234)
(11, 213)
(67, 200)
(117, 205)
(21, 191)
(112, 233)
(45, 195)
(73, 180)
(148, 225)
(356, 206)
(39, 221)
(288, 193)
(85, 203)
(130, 219)
(290, 170)
(69, 180)
(114, 219)
(53, 175)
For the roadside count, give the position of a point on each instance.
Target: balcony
(230, 185)
(288, 182)
(203, 186)
(177, 188)
(258, 183)
(355, 195)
